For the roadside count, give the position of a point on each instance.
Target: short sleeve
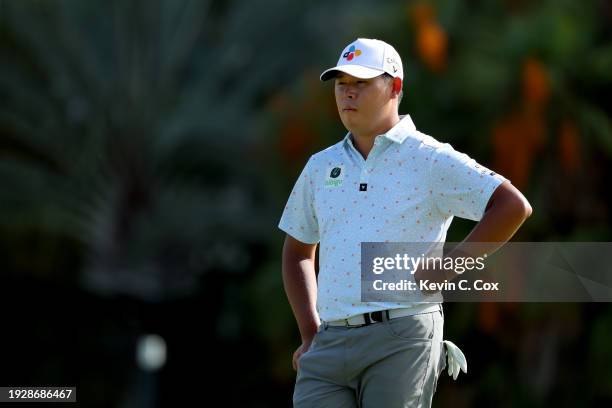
(299, 217)
(459, 185)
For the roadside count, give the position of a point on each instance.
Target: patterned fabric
(408, 190)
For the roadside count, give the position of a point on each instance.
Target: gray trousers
(394, 363)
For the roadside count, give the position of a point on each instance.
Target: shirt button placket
(368, 167)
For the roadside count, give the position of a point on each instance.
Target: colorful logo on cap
(351, 53)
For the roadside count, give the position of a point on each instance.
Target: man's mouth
(348, 109)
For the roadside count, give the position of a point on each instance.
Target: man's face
(363, 103)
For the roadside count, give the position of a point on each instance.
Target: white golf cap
(367, 58)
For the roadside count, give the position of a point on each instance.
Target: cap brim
(357, 71)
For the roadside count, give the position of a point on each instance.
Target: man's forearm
(498, 224)
(506, 212)
(300, 284)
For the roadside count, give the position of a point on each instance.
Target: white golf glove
(455, 358)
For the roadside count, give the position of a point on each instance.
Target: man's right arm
(300, 222)
(300, 282)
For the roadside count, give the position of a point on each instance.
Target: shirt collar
(397, 133)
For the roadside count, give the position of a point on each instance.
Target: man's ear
(397, 85)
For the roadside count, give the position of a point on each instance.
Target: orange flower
(536, 83)
(516, 140)
(432, 44)
(431, 39)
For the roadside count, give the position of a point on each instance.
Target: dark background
(147, 149)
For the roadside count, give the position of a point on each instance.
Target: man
(384, 182)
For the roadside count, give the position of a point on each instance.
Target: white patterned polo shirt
(408, 190)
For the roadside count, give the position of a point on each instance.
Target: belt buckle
(368, 320)
(378, 314)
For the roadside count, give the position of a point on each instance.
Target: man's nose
(350, 93)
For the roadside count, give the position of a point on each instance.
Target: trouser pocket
(415, 327)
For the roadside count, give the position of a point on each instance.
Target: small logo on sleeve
(334, 176)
